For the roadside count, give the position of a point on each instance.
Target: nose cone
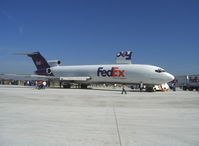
(169, 77)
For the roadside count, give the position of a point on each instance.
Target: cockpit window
(159, 70)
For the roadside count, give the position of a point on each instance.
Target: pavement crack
(117, 126)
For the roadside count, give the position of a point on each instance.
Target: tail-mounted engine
(53, 63)
(48, 71)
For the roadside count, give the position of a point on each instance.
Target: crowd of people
(38, 84)
(41, 84)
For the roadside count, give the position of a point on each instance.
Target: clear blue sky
(161, 32)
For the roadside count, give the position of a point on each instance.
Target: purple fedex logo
(39, 62)
(113, 72)
(126, 54)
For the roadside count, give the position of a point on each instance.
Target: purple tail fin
(39, 61)
(43, 68)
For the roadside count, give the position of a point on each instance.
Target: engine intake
(48, 71)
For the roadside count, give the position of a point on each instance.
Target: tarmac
(97, 117)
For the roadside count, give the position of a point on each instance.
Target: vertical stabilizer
(39, 61)
(43, 68)
(123, 57)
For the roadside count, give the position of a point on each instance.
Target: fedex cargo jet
(126, 73)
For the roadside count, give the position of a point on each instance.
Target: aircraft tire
(84, 86)
(150, 89)
(66, 86)
(190, 88)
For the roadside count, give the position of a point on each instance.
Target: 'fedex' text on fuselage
(113, 72)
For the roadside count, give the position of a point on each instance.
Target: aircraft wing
(41, 77)
(25, 77)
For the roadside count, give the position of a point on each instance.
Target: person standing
(123, 90)
(44, 84)
(173, 86)
(141, 86)
(60, 83)
(40, 84)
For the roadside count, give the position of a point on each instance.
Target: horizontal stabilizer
(26, 53)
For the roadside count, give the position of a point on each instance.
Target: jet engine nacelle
(48, 71)
(53, 63)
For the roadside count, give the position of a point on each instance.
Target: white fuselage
(123, 73)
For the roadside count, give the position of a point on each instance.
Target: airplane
(121, 73)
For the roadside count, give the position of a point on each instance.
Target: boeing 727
(84, 75)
